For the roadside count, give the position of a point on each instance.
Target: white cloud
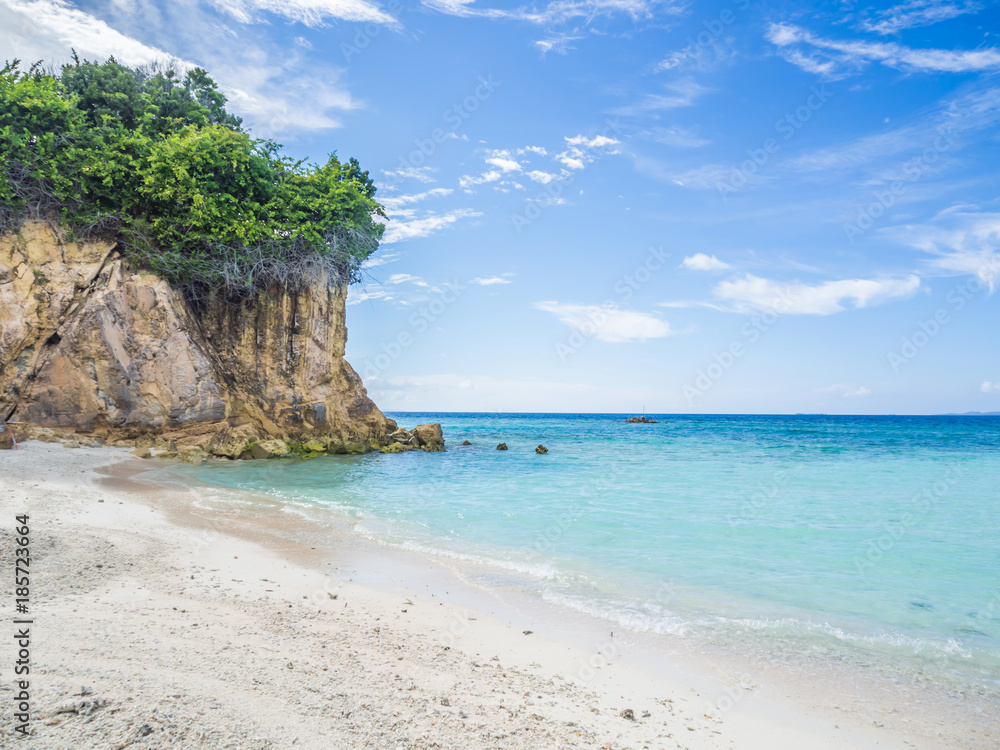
(543, 177)
(421, 174)
(275, 90)
(579, 155)
(960, 242)
(355, 297)
(703, 262)
(402, 278)
(490, 281)
(558, 43)
(538, 150)
(467, 181)
(608, 323)
(404, 200)
(308, 12)
(988, 387)
(678, 136)
(399, 231)
(47, 29)
(852, 55)
(679, 94)
(916, 13)
(559, 11)
(504, 164)
(752, 294)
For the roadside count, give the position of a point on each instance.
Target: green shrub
(155, 161)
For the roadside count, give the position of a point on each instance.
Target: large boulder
(429, 436)
(231, 442)
(269, 449)
(6, 439)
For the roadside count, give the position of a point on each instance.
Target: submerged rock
(541, 450)
(502, 447)
(466, 442)
(641, 420)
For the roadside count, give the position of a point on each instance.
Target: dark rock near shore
(502, 447)
(640, 420)
(466, 442)
(541, 450)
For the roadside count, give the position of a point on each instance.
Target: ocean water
(866, 540)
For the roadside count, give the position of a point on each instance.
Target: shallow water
(873, 540)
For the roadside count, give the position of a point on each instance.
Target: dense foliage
(154, 159)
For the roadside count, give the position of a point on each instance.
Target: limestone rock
(402, 436)
(429, 436)
(231, 442)
(6, 439)
(90, 346)
(314, 446)
(142, 453)
(393, 448)
(192, 454)
(269, 449)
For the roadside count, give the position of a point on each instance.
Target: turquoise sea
(867, 540)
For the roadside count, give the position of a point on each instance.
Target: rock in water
(466, 442)
(402, 436)
(231, 443)
(541, 450)
(429, 436)
(502, 447)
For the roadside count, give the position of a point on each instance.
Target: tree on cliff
(155, 160)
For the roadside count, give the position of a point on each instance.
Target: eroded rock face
(88, 345)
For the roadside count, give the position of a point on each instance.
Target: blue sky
(611, 205)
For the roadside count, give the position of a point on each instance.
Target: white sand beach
(156, 625)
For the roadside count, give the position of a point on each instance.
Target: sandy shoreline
(160, 625)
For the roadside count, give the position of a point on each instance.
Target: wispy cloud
(404, 200)
(682, 93)
(308, 12)
(399, 231)
(420, 174)
(959, 241)
(836, 57)
(490, 280)
(47, 29)
(559, 11)
(988, 387)
(916, 13)
(275, 89)
(608, 323)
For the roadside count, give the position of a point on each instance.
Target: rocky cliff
(92, 347)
